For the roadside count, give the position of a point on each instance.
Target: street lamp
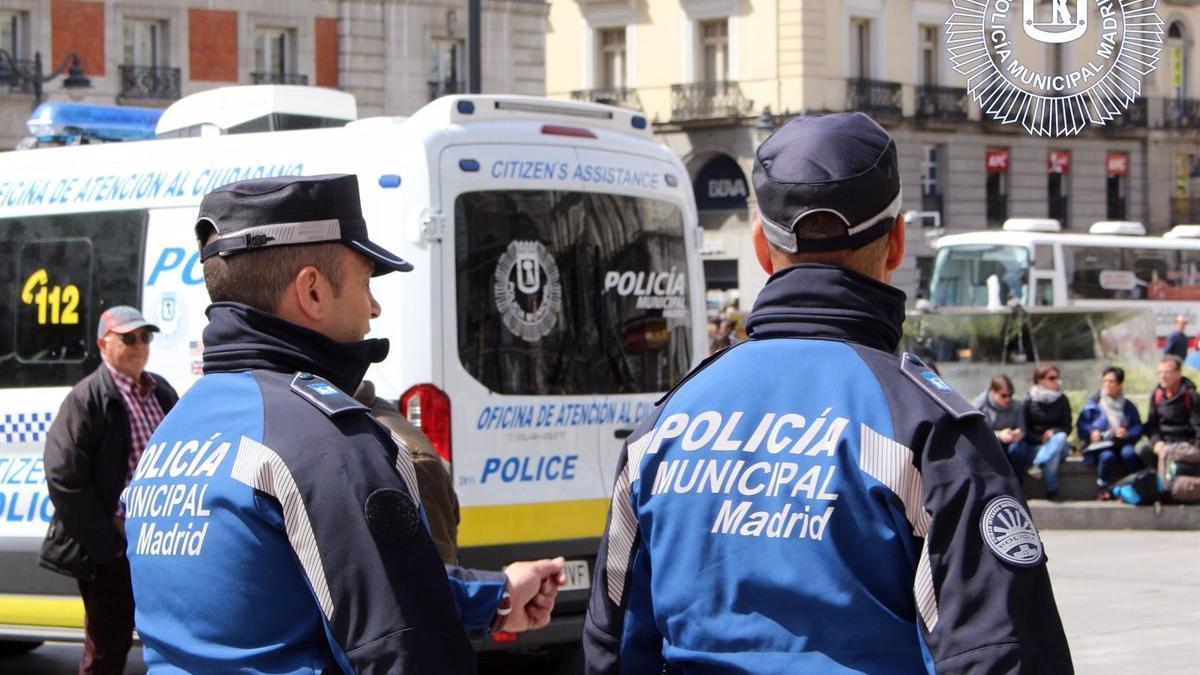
(16, 75)
(765, 126)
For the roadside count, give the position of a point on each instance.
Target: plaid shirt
(143, 411)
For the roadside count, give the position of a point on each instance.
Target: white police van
(557, 291)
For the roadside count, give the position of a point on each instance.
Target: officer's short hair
(260, 280)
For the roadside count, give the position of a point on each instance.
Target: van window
(571, 292)
(57, 274)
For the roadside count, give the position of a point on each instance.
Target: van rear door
(568, 313)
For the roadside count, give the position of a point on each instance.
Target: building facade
(717, 76)
(394, 55)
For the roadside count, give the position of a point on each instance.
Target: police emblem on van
(1008, 531)
(527, 290)
(1112, 54)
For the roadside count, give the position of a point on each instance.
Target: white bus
(1032, 263)
(556, 293)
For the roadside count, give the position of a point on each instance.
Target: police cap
(250, 215)
(842, 164)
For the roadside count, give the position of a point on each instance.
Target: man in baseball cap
(864, 520)
(92, 448)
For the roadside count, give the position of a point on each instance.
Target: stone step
(1096, 515)
(1076, 481)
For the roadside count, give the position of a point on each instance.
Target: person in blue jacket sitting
(1112, 426)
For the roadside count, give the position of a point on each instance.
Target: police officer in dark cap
(807, 501)
(273, 524)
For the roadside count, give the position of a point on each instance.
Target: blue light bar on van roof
(59, 121)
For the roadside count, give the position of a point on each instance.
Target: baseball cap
(122, 319)
(250, 215)
(843, 164)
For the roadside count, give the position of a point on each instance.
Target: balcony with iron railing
(274, 77)
(149, 82)
(946, 104)
(1136, 116)
(1181, 113)
(877, 97)
(707, 100)
(619, 97)
(13, 79)
(437, 89)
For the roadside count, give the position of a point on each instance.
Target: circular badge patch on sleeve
(1008, 531)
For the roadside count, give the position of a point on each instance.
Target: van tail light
(428, 408)
(560, 130)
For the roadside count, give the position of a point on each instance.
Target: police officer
(273, 524)
(806, 501)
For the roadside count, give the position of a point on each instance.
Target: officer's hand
(533, 585)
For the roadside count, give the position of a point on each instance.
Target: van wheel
(15, 648)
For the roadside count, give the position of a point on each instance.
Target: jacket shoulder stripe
(404, 466)
(261, 468)
(623, 526)
(891, 463)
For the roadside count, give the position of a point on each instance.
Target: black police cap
(842, 164)
(250, 215)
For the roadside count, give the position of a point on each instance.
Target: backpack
(1181, 471)
(1187, 398)
(1139, 488)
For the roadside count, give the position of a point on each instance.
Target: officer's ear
(308, 299)
(895, 252)
(762, 248)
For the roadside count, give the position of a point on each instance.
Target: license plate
(578, 577)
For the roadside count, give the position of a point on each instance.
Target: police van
(556, 293)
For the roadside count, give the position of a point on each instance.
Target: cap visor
(132, 326)
(384, 261)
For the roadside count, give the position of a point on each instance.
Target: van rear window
(571, 292)
(57, 274)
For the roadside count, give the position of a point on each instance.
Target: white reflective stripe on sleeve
(623, 526)
(891, 463)
(923, 590)
(404, 466)
(262, 469)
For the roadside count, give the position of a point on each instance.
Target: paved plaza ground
(1130, 601)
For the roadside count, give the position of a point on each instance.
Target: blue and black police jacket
(807, 502)
(274, 526)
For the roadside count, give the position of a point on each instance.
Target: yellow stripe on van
(543, 521)
(41, 610)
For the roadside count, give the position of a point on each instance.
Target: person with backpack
(1111, 426)
(1173, 427)
(1047, 424)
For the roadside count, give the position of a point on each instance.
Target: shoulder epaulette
(326, 397)
(933, 384)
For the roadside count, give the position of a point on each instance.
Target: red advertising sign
(997, 160)
(1117, 164)
(1058, 161)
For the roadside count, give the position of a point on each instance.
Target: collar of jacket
(831, 303)
(239, 337)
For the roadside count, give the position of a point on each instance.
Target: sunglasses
(130, 339)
